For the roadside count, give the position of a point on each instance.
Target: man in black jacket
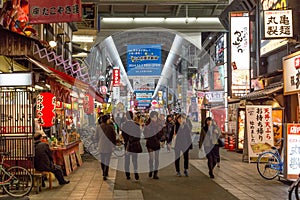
(43, 160)
(131, 133)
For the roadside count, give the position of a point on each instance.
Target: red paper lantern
(45, 109)
(88, 104)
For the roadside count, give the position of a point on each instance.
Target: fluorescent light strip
(208, 19)
(82, 38)
(181, 19)
(117, 19)
(149, 20)
(160, 19)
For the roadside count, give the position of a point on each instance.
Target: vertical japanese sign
(43, 12)
(116, 84)
(278, 23)
(293, 151)
(239, 34)
(144, 60)
(259, 129)
(291, 73)
(240, 53)
(116, 77)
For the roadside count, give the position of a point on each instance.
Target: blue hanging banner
(144, 60)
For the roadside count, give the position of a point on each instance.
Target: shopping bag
(173, 141)
(201, 153)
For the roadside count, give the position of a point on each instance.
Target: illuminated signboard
(144, 60)
(239, 34)
(116, 77)
(292, 163)
(291, 73)
(16, 79)
(144, 98)
(273, 4)
(278, 23)
(259, 129)
(44, 12)
(240, 53)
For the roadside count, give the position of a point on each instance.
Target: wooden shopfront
(67, 156)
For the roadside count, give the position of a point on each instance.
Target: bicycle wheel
(291, 191)
(297, 190)
(268, 165)
(21, 181)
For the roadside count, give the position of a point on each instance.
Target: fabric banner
(42, 12)
(259, 129)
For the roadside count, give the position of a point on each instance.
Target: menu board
(293, 151)
(259, 129)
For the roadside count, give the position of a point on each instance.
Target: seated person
(43, 160)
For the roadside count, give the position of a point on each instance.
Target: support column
(184, 89)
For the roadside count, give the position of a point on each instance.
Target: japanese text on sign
(239, 37)
(278, 23)
(52, 11)
(116, 76)
(293, 150)
(260, 128)
(291, 73)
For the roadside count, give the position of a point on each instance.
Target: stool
(38, 178)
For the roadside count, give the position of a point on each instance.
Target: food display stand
(67, 156)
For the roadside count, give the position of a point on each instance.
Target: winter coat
(153, 132)
(183, 138)
(43, 160)
(131, 134)
(209, 137)
(107, 138)
(169, 128)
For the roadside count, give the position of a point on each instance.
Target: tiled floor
(237, 177)
(242, 179)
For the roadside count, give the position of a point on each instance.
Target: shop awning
(265, 93)
(66, 78)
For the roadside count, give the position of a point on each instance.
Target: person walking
(153, 133)
(131, 134)
(169, 127)
(209, 139)
(217, 131)
(107, 141)
(183, 143)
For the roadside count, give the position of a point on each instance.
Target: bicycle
(294, 186)
(270, 164)
(16, 181)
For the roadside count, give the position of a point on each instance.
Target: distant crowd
(173, 131)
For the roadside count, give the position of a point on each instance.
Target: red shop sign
(44, 12)
(45, 109)
(88, 104)
(116, 76)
